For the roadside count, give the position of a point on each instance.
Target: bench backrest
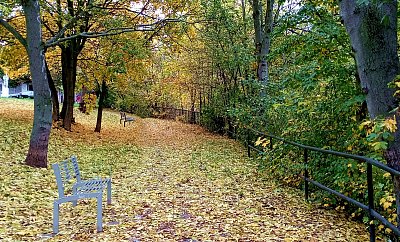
(123, 115)
(65, 171)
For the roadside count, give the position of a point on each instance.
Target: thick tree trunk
(69, 66)
(54, 95)
(103, 95)
(38, 145)
(373, 33)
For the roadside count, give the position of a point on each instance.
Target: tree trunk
(373, 34)
(244, 15)
(103, 95)
(192, 118)
(38, 145)
(69, 66)
(257, 13)
(54, 95)
(63, 81)
(266, 43)
(262, 39)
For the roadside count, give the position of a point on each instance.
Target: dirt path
(195, 186)
(171, 182)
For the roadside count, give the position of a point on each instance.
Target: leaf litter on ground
(171, 182)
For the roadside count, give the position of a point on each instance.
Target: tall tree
(38, 145)
(372, 27)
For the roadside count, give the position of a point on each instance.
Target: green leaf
(382, 145)
(385, 21)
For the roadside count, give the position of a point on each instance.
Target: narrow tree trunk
(38, 145)
(103, 95)
(64, 62)
(244, 15)
(192, 118)
(54, 95)
(257, 13)
(375, 45)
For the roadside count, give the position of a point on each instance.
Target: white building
(6, 91)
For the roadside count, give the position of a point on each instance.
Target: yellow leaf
(386, 205)
(391, 198)
(387, 174)
(260, 141)
(364, 124)
(266, 142)
(390, 124)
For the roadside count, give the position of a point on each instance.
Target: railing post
(370, 203)
(248, 143)
(306, 173)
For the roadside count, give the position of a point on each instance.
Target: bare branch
(60, 33)
(139, 13)
(111, 32)
(14, 32)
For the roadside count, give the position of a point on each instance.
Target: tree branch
(111, 32)
(60, 33)
(128, 10)
(14, 32)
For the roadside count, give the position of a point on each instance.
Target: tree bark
(263, 31)
(70, 51)
(38, 145)
(103, 95)
(266, 43)
(373, 34)
(54, 95)
(69, 62)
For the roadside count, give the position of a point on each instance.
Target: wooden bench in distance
(68, 170)
(125, 118)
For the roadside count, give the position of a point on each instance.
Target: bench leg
(99, 214)
(74, 203)
(56, 208)
(109, 192)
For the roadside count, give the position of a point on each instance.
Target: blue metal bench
(68, 170)
(125, 118)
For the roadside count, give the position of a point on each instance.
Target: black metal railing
(370, 208)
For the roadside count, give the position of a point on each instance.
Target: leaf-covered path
(171, 182)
